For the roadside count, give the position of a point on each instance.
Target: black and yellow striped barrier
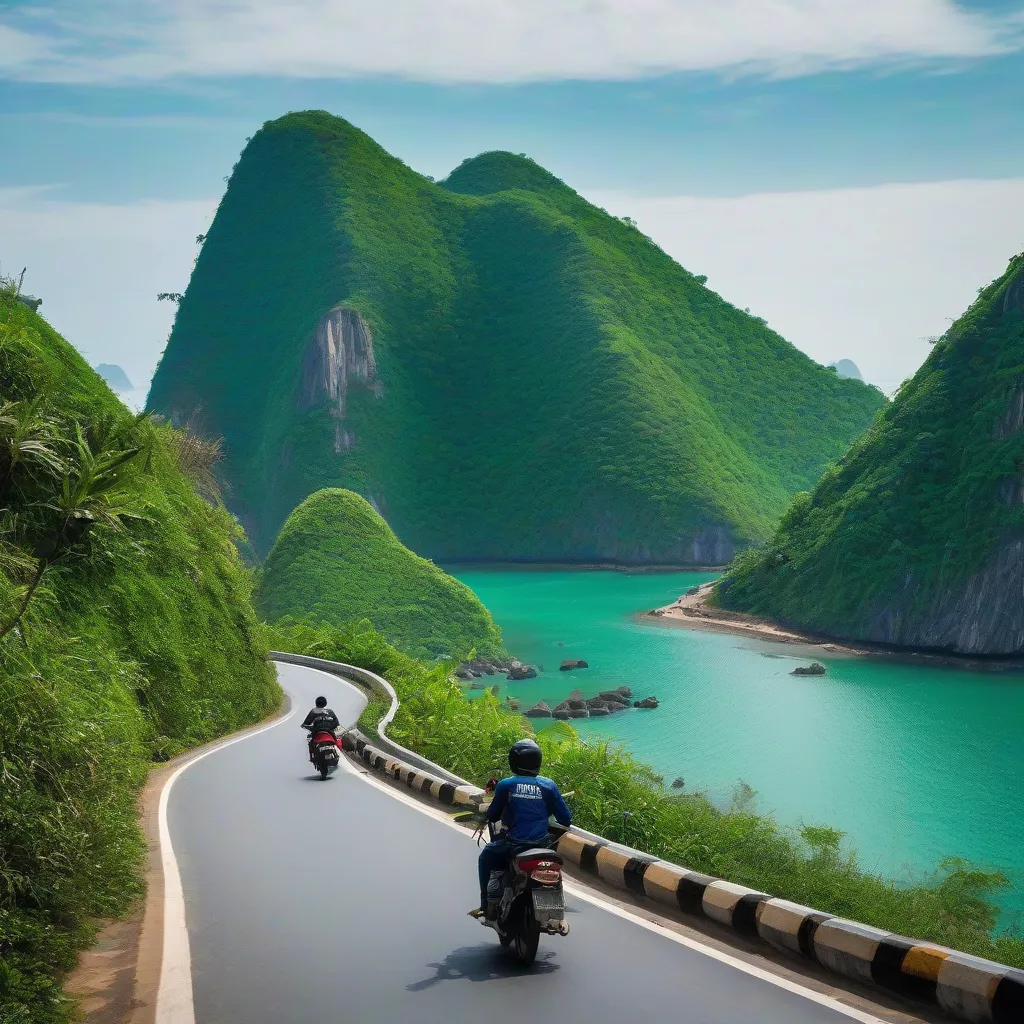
(966, 987)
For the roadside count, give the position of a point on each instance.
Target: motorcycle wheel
(324, 772)
(525, 935)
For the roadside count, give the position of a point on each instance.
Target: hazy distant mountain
(847, 368)
(114, 376)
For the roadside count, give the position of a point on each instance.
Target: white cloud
(98, 268)
(488, 40)
(862, 273)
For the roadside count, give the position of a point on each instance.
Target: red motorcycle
(326, 752)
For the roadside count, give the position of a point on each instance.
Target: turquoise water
(914, 762)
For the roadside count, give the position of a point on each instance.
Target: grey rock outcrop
(519, 672)
(984, 615)
(339, 356)
(539, 710)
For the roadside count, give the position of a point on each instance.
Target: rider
(523, 803)
(320, 719)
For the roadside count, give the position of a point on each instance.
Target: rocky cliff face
(339, 355)
(983, 616)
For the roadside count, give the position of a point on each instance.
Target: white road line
(174, 1003)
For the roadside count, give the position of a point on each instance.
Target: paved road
(328, 901)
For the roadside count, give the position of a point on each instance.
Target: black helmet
(321, 702)
(525, 757)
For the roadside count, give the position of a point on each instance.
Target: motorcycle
(326, 753)
(526, 899)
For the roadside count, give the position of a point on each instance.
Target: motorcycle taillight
(546, 872)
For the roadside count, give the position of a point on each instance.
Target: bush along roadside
(625, 801)
(126, 636)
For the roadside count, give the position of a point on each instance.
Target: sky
(851, 170)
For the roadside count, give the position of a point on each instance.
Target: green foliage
(625, 800)
(336, 560)
(128, 636)
(552, 385)
(914, 507)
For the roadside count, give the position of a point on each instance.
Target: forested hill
(502, 369)
(126, 635)
(337, 561)
(917, 537)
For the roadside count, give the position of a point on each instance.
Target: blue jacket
(524, 803)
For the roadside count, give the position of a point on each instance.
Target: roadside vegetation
(126, 635)
(624, 800)
(336, 560)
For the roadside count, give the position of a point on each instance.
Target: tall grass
(626, 801)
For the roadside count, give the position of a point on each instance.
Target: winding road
(328, 901)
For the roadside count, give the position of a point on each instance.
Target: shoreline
(692, 611)
(624, 567)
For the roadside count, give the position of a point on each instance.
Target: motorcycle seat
(540, 853)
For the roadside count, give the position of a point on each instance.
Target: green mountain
(917, 537)
(336, 560)
(126, 634)
(502, 369)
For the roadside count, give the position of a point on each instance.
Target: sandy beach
(693, 611)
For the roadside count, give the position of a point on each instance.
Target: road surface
(333, 901)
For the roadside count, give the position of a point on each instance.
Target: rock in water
(647, 702)
(678, 783)
(518, 672)
(539, 710)
(814, 669)
(568, 666)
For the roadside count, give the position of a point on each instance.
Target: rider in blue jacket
(523, 803)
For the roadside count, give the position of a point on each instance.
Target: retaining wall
(969, 988)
